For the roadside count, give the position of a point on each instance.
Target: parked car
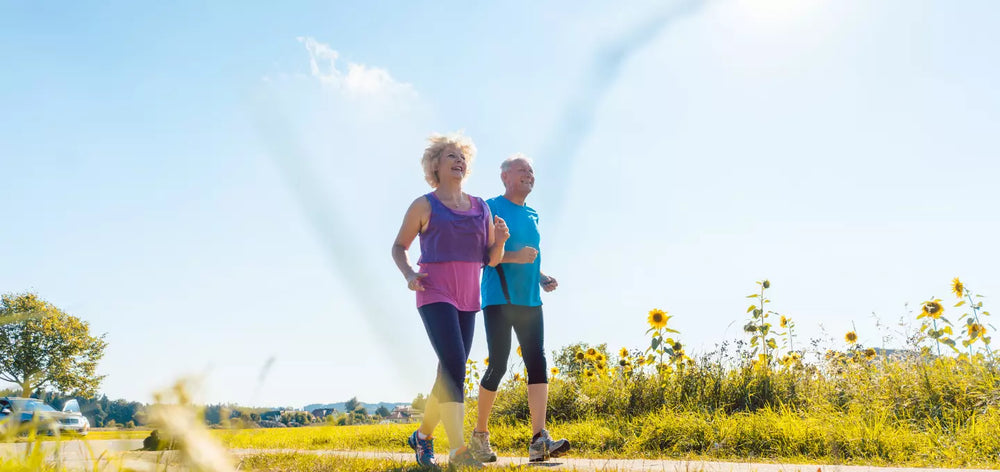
(15, 411)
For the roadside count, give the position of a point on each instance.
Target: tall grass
(761, 398)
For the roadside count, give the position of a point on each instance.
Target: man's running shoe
(542, 447)
(479, 444)
(463, 459)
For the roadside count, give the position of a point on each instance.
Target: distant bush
(271, 424)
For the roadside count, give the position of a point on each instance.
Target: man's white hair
(505, 165)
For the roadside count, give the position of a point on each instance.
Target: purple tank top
(455, 235)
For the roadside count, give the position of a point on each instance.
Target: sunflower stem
(763, 335)
(975, 314)
(937, 339)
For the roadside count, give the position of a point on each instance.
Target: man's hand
(549, 283)
(413, 281)
(526, 255)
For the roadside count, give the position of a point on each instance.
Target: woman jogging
(457, 236)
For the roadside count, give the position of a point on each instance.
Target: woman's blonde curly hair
(438, 143)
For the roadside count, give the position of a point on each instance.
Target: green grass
(766, 436)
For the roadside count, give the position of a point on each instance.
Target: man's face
(519, 178)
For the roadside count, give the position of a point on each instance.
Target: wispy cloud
(315, 135)
(577, 119)
(360, 80)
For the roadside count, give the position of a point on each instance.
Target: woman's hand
(500, 231)
(413, 281)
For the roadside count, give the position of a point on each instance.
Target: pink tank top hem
(455, 282)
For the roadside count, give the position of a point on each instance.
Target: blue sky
(216, 186)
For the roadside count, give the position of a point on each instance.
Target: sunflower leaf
(751, 308)
(960, 303)
(753, 296)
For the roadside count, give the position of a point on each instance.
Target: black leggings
(451, 333)
(527, 324)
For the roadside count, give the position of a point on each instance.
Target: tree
(382, 411)
(40, 346)
(352, 405)
(419, 403)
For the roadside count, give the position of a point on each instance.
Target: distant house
(324, 412)
(402, 414)
(274, 415)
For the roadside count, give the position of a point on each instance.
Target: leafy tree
(41, 346)
(419, 403)
(352, 405)
(382, 411)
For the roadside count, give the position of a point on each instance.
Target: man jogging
(512, 301)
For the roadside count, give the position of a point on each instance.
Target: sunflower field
(770, 395)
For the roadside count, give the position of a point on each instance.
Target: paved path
(633, 465)
(82, 455)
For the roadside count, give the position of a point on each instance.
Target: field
(933, 403)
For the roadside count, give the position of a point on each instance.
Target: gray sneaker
(463, 460)
(542, 447)
(479, 444)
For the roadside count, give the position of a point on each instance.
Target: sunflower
(599, 358)
(601, 367)
(579, 355)
(486, 361)
(870, 353)
(623, 352)
(554, 371)
(591, 353)
(957, 287)
(851, 337)
(588, 373)
(784, 321)
(975, 330)
(519, 351)
(657, 318)
(517, 376)
(932, 308)
(677, 346)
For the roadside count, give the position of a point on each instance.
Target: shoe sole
(492, 458)
(560, 450)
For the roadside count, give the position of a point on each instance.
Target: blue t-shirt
(522, 279)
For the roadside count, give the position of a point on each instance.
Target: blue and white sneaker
(424, 449)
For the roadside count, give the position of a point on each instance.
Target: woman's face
(451, 164)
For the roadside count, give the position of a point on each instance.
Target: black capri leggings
(451, 333)
(527, 324)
